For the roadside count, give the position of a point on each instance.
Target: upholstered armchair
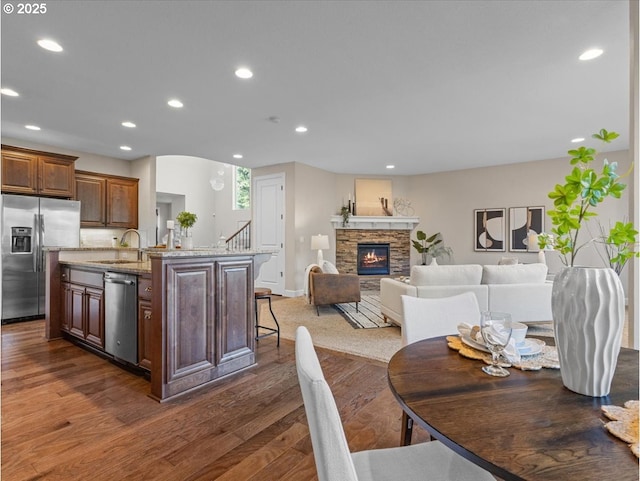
(325, 289)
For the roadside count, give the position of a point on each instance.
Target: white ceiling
(425, 85)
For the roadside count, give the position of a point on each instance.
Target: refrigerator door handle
(38, 247)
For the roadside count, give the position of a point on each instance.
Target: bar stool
(264, 293)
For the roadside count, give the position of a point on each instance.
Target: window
(241, 188)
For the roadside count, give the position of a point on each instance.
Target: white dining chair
(432, 317)
(426, 317)
(335, 462)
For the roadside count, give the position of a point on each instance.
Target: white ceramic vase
(588, 312)
(187, 241)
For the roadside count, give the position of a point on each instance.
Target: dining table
(526, 426)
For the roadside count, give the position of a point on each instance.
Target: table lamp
(319, 242)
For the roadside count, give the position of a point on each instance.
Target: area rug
(330, 330)
(367, 316)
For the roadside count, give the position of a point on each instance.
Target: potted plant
(587, 303)
(431, 245)
(186, 221)
(345, 212)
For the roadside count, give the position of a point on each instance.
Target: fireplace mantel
(376, 222)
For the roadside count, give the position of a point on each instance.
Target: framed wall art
(489, 230)
(368, 195)
(523, 222)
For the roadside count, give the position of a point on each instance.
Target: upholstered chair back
(425, 318)
(330, 447)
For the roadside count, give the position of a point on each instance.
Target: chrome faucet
(125, 234)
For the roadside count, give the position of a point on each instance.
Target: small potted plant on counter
(186, 221)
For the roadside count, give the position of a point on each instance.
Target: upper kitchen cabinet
(32, 172)
(107, 200)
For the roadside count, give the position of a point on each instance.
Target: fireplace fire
(373, 259)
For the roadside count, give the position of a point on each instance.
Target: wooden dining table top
(526, 426)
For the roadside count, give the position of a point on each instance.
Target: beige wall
(445, 203)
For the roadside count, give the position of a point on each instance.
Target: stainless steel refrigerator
(28, 225)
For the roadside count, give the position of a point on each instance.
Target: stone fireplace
(374, 231)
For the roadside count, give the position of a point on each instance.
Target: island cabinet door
(234, 314)
(189, 330)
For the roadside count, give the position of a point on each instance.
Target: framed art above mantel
(371, 195)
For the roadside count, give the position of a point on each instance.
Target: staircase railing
(241, 240)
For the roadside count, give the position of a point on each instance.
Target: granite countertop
(115, 265)
(202, 252)
(144, 267)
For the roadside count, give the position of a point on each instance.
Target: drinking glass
(495, 328)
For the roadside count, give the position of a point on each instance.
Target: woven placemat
(624, 423)
(548, 358)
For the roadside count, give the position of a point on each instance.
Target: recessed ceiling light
(125, 147)
(9, 92)
(390, 166)
(301, 129)
(50, 45)
(131, 125)
(237, 156)
(577, 139)
(32, 127)
(244, 73)
(175, 103)
(591, 54)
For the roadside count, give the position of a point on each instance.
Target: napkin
(510, 351)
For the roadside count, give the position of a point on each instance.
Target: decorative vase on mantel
(588, 312)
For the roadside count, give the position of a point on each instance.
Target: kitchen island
(195, 314)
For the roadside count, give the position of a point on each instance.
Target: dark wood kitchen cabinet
(144, 321)
(32, 172)
(107, 200)
(203, 328)
(83, 305)
(91, 191)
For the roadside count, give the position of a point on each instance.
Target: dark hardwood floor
(70, 415)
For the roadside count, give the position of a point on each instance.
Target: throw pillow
(329, 268)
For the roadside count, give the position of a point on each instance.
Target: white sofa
(520, 289)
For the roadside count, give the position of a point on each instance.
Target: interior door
(268, 215)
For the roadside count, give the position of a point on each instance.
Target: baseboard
(296, 293)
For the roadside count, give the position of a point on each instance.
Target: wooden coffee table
(524, 426)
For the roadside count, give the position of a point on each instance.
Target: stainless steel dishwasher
(121, 316)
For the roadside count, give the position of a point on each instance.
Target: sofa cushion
(453, 275)
(514, 274)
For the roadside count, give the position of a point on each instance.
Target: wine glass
(495, 328)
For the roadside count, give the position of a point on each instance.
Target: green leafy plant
(186, 219)
(575, 200)
(430, 245)
(345, 213)
(620, 244)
